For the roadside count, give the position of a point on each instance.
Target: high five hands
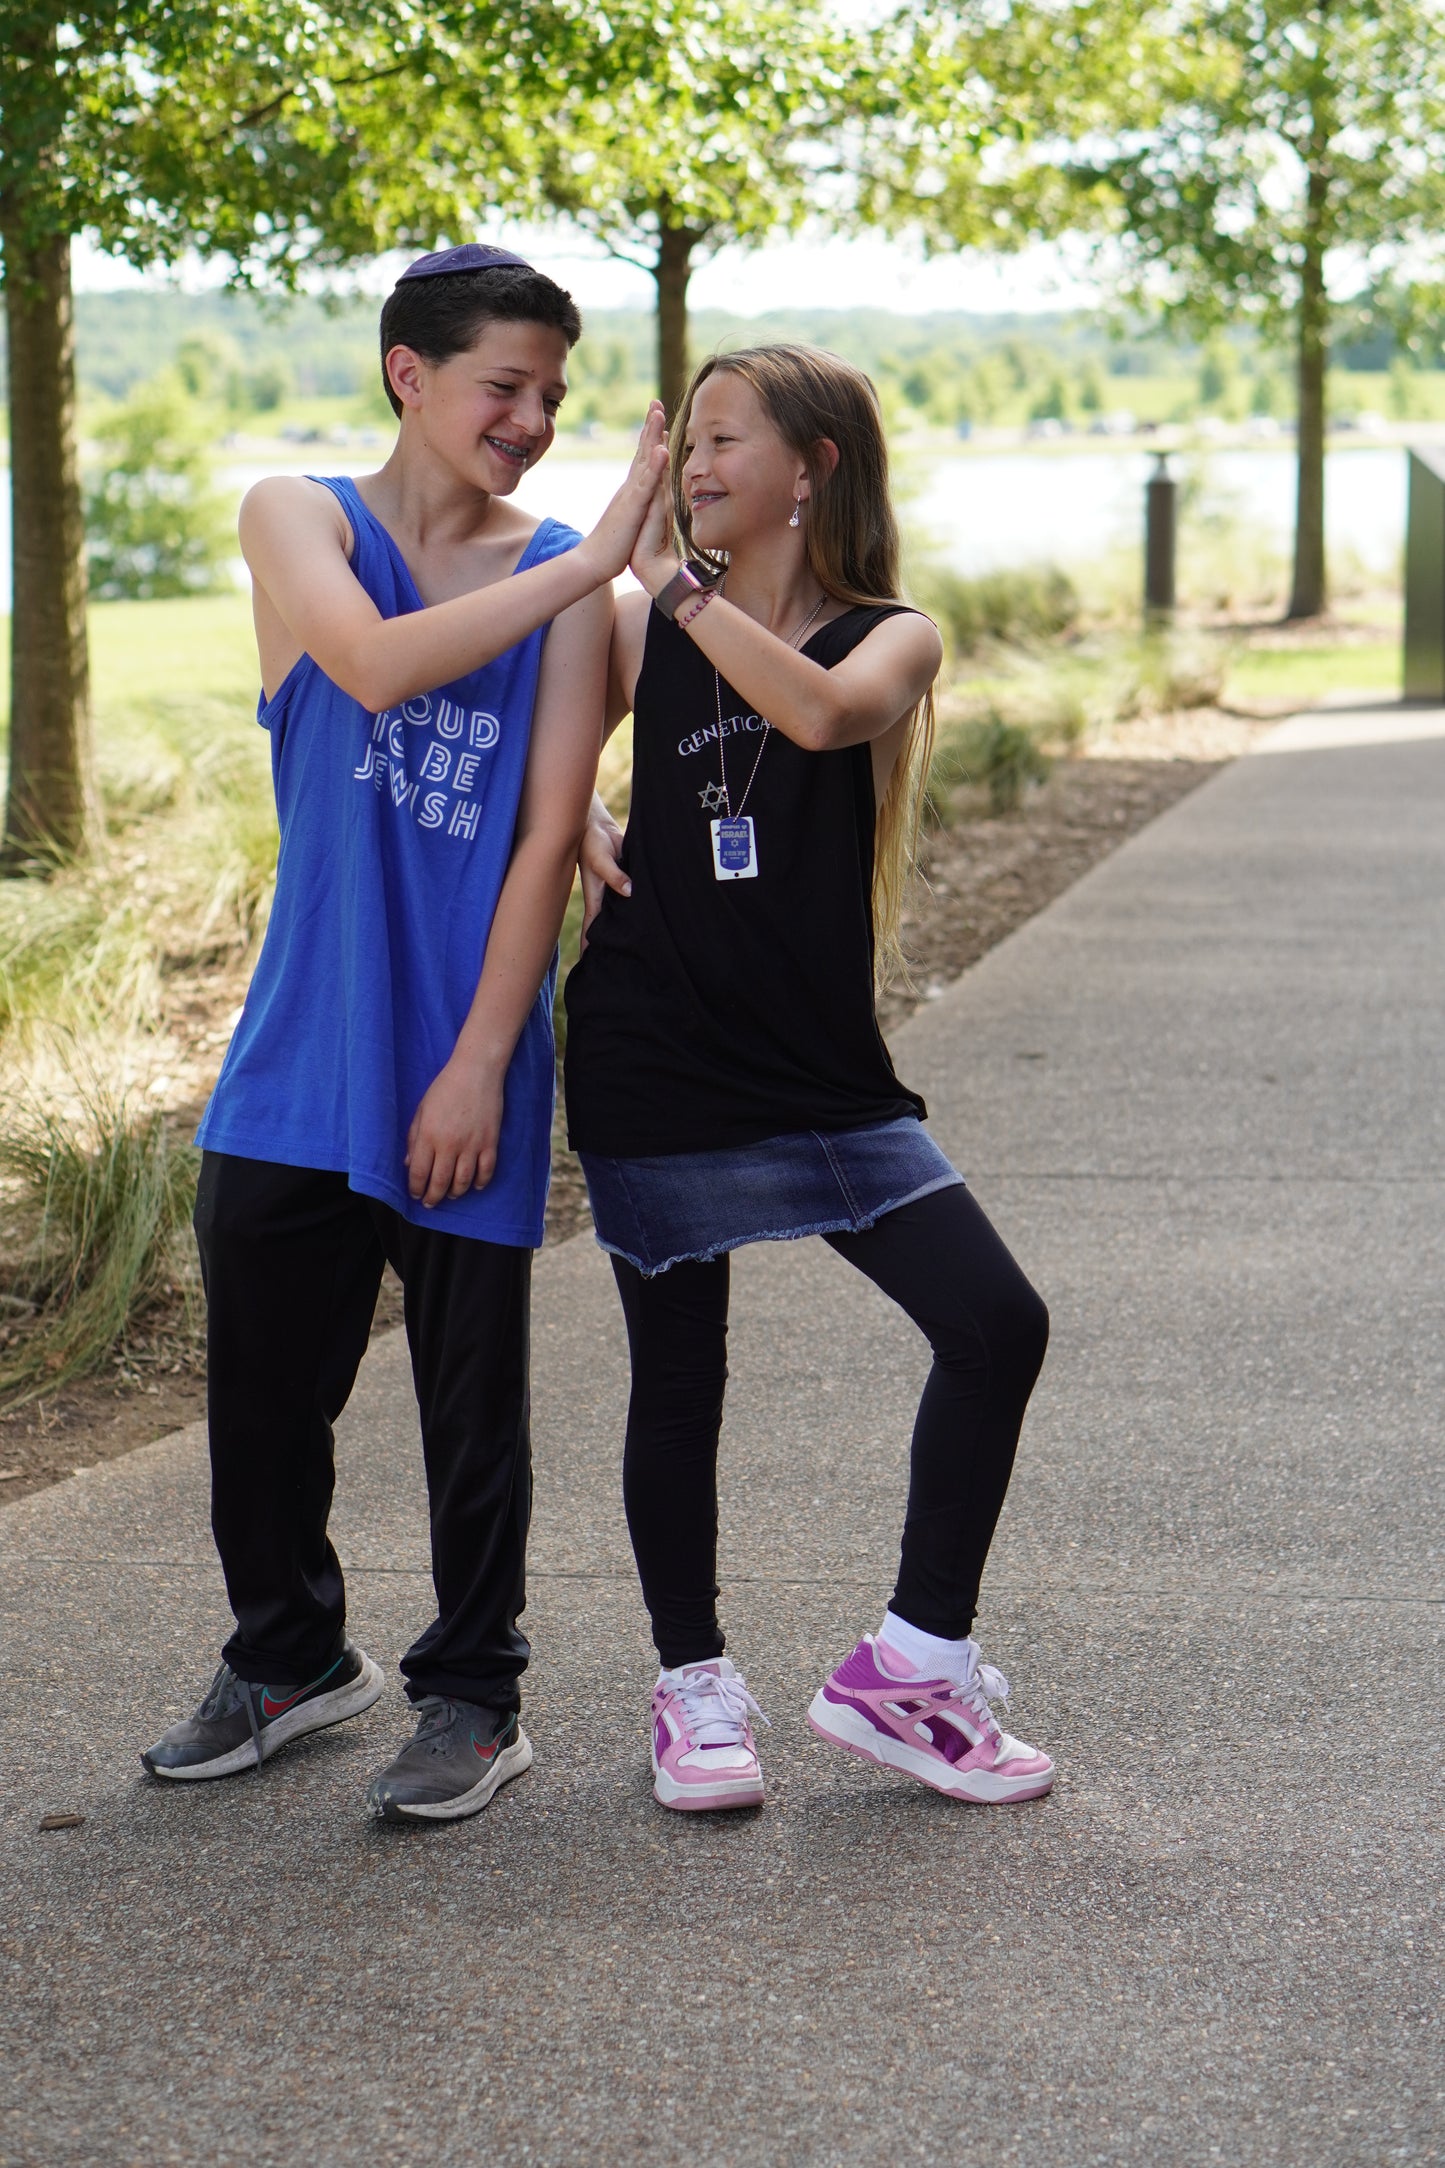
(654, 556)
(614, 538)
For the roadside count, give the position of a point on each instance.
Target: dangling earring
(797, 507)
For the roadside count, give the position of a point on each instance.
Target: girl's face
(489, 412)
(739, 478)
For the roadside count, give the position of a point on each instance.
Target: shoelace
(436, 1715)
(713, 1704)
(986, 1683)
(226, 1691)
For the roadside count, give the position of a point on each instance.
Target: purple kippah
(469, 256)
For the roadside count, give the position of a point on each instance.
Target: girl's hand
(451, 1146)
(599, 864)
(611, 542)
(654, 556)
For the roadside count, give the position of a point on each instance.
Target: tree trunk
(675, 245)
(1307, 597)
(50, 810)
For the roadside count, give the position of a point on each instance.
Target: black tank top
(707, 1013)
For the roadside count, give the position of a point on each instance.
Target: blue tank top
(396, 831)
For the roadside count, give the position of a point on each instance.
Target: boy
(433, 666)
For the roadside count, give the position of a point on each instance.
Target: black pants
(941, 1261)
(292, 1260)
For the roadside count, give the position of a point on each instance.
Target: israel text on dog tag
(734, 849)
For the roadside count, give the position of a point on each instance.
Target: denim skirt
(687, 1207)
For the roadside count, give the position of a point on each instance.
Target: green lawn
(1307, 674)
(186, 789)
(142, 650)
(147, 656)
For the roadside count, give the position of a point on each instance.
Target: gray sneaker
(238, 1725)
(461, 1755)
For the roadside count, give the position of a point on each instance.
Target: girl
(726, 1080)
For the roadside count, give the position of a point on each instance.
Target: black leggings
(942, 1263)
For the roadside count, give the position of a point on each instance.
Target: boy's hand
(608, 547)
(451, 1146)
(598, 861)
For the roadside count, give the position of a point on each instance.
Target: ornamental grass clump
(95, 1205)
(1170, 670)
(991, 752)
(1010, 758)
(118, 978)
(1019, 607)
(180, 882)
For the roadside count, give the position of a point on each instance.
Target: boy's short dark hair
(439, 317)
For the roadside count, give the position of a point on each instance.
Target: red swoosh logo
(485, 1753)
(270, 1707)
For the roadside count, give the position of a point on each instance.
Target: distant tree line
(250, 356)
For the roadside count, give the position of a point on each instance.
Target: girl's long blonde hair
(853, 553)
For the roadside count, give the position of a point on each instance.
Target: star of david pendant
(714, 799)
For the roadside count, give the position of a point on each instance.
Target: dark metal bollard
(1161, 493)
(1425, 579)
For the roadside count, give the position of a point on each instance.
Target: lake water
(1015, 508)
(995, 509)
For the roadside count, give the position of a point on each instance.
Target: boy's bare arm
(293, 537)
(452, 1145)
(598, 859)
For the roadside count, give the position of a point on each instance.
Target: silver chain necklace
(717, 798)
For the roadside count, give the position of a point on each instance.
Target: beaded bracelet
(691, 611)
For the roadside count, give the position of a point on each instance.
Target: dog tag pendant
(734, 849)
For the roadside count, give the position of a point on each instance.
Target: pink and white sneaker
(703, 1756)
(941, 1731)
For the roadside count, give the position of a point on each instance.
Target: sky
(803, 273)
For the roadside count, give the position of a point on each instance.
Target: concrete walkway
(1202, 1097)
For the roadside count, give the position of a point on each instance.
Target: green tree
(1295, 138)
(964, 135)
(264, 388)
(207, 363)
(1231, 154)
(711, 126)
(1264, 399)
(1019, 363)
(153, 524)
(1216, 373)
(981, 394)
(919, 385)
(1052, 403)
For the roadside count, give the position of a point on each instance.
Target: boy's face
(489, 412)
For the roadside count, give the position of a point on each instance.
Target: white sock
(924, 1656)
(678, 1675)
